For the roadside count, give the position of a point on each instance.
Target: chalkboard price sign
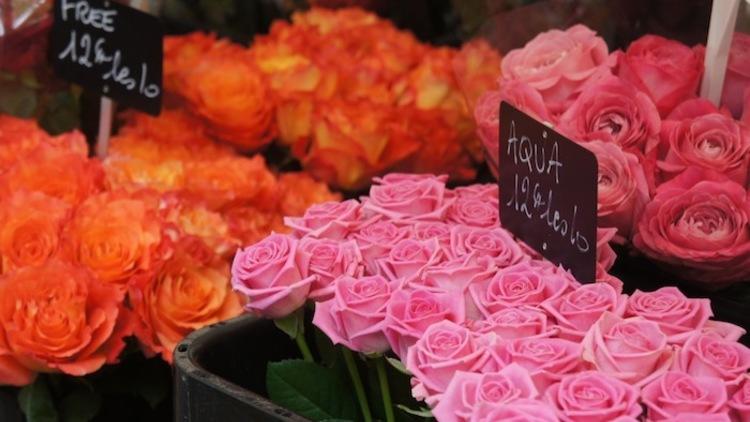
(111, 49)
(548, 192)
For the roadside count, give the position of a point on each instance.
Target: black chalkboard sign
(111, 49)
(548, 188)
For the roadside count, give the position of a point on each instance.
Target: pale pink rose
(485, 191)
(444, 349)
(490, 247)
(355, 316)
(426, 230)
(698, 223)
(474, 212)
(737, 78)
(512, 323)
(725, 330)
(375, 241)
(517, 411)
(591, 396)
(677, 316)
(546, 359)
(408, 199)
(612, 110)
(557, 64)
(576, 311)
(455, 275)
(711, 141)
(327, 259)
(621, 186)
(267, 274)
(668, 71)
(409, 258)
(740, 402)
(633, 350)
(708, 355)
(467, 390)
(411, 311)
(333, 220)
(675, 393)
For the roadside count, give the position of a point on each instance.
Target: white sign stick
(720, 32)
(105, 127)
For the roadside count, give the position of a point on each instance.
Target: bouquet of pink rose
(485, 328)
(673, 168)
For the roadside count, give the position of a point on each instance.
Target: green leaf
(17, 99)
(36, 402)
(398, 365)
(60, 112)
(292, 324)
(81, 405)
(422, 412)
(310, 390)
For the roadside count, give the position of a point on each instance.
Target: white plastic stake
(720, 32)
(105, 127)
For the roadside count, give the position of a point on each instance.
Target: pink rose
(333, 220)
(591, 396)
(740, 402)
(408, 199)
(698, 223)
(711, 141)
(612, 110)
(557, 64)
(474, 212)
(327, 259)
(375, 241)
(455, 275)
(668, 71)
(699, 417)
(677, 316)
(633, 350)
(675, 393)
(546, 359)
(488, 192)
(708, 355)
(696, 107)
(512, 323)
(409, 258)
(444, 349)
(737, 78)
(426, 230)
(725, 330)
(468, 390)
(411, 311)
(621, 186)
(491, 247)
(396, 178)
(268, 275)
(605, 255)
(355, 316)
(517, 411)
(576, 311)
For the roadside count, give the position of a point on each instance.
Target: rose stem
(384, 389)
(357, 381)
(303, 348)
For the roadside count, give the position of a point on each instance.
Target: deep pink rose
(332, 220)
(474, 212)
(268, 275)
(740, 402)
(355, 316)
(696, 107)
(375, 241)
(512, 323)
(468, 390)
(677, 316)
(708, 355)
(612, 110)
(591, 396)
(633, 350)
(409, 258)
(490, 247)
(546, 359)
(621, 186)
(518, 285)
(576, 311)
(737, 78)
(698, 223)
(444, 349)
(605, 255)
(411, 311)
(408, 199)
(711, 141)
(517, 411)
(327, 259)
(668, 71)
(557, 64)
(675, 393)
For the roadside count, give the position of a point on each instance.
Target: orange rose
(58, 318)
(195, 219)
(477, 69)
(183, 52)
(250, 224)
(299, 191)
(116, 236)
(19, 137)
(133, 174)
(186, 294)
(30, 231)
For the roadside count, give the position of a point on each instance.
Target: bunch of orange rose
(347, 92)
(93, 252)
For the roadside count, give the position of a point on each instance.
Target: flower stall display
(425, 278)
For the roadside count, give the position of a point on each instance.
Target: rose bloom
(58, 318)
(185, 52)
(327, 260)
(675, 393)
(511, 323)
(737, 78)
(31, 228)
(476, 67)
(425, 230)
(668, 71)
(739, 403)
(474, 212)
(708, 355)
(409, 258)
(249, 224)
(517, 411)
(356, 315)
(133, 174)
(633, 350)
(454, 275)
(468, 390)
(331, 219)
(614, 111)
(484, 246)
(195, 219)
(698, 222)
(557, 64)
(546, 359)
(376, 240)
(298, 191)
(677, 316)
(593, 396)
(576, 311)
(408, 200)
(19, 137)
(186, 293)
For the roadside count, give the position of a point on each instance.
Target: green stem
(385, 389)
(357, 381)
(303, 348)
